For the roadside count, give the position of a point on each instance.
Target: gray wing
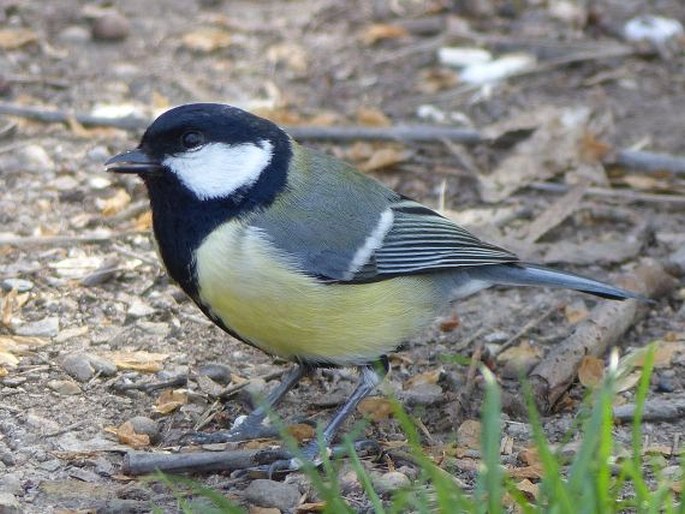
(342, 226)
(421, 240)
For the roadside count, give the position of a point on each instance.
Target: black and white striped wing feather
(421, 240)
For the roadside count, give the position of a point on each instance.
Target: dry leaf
(593, 149)
(144, 221)
(159, 101)
(658, 449)
(528, 488)
(648, 183)
(301, 432)
(376, 408)
(3, 371)
(576, 312)
(7, 307)
(519, 359)
(206, 40)
(529, 456)
(627, 382)
(128, 436)
(11, 346)
(147, 362)
(8, 359)
(435, 80)
(429, 377)
(532, 472)
(384, 158)
(450, 324)
(311, 507)
(552, 148)
(372, 117)
(256, 509)
(380, 31)
(591, 372)
(468, 434)
(11, 39)
(115, 204)
(78, 267)
(292, 55)
(170, 400)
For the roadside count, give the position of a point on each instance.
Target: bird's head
(210, 151)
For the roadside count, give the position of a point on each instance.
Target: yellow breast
(256, 293)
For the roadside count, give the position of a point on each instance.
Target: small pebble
(101, 365)
(254, 388)
(218, 372)
(665, 384)
(389, 482)
(46, 327)
(99, 154)
(138, 309)
(145, 425)
(51, 465)
(78, 366)
(10, 483)
(64, 387)
(13, 381)
(65, 183)
(111, 27)
(269, 493)
(496, 337)
(74, 34)
(34, 158)
(423, 394)
(104, 467)
(19, 284)
(9, 504)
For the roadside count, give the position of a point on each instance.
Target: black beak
(133, 161)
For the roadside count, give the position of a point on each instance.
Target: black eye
(192, 139)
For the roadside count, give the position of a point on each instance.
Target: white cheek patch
(217, 170)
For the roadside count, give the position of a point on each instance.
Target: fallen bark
(653, 410)
(603, 328)
(141, 463)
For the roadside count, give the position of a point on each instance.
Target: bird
(304, 257)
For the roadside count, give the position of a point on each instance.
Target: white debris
(655, 29)
(460, 57)
(493, 71)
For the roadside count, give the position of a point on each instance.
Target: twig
(625, 194)
(654, 410)
(53, 116)
(465, 396)
(527, 328)
(148, 387)
(650, 161)
(141, 463)
(605, 326)
(27, 241)
(421, 133)
(418, 133)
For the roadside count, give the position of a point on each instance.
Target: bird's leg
(250, 426)
(369, 377)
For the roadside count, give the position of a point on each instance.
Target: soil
(298, 62)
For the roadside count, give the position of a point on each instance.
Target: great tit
(302, 256)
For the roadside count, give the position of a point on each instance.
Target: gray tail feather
(533, 275)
